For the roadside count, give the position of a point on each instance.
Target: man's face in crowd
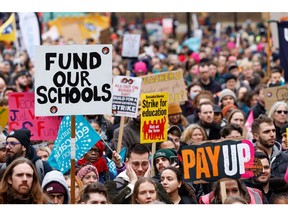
(139, 163)
(21, 179)
(175, 139)
(231, 84)
(266, 172)
(266, 135)
(275, 77)
(56, 198)
(212, 70)
(96, 198)
(161, 163)
(43, 155)
(2, 154)
(206, 114)
(235, 72)
(14, 149)
(204, 73)
(257, 66)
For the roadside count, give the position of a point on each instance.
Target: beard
(23, 87)
(266, 143)
(10, 158)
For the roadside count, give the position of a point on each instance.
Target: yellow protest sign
(3, 117)
(154, 117)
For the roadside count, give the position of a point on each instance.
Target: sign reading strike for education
(22, 115)
(154, 117)
(131, 45)
(73, 79)
(171, 82)
(86, 138)
(212, 161)
(3, 117)
(126, 92)
(274, 94)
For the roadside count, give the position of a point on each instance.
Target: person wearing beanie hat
(227, 109)
(162, 159)
(88, 174)
(55, 187)
(176, 117)
(17, 145)
(140, 69)
(226, 97)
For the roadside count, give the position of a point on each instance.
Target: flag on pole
(249, 121)
(8, 30)
(283, 44)
(86, 138)
(111, 164)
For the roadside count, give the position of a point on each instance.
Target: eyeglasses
(137, 164)
(280, 111)
(96, 150)
(12, 143)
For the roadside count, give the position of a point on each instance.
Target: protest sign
(171, 82)
(274, 94)
(154, 117)
(126, 91)
(86, 138)
(131, 45)
(22, 115)
(212, 161)
(3, 117)
(74, 79)
(167, 25)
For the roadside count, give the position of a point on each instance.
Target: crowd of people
(225, 82)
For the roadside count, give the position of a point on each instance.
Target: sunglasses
(280, 111)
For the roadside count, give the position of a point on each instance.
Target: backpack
(39, 168)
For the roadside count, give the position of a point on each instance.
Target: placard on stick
(274, 94)
(154, 117)
(72, 80)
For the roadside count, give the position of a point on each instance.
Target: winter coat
(278, 161)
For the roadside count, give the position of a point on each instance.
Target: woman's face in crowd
(281, 117)
(197, 136)
(238, 118)
(169, 181)
(147, 193)
(89, 178)
(174, 118)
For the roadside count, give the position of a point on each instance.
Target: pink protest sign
(22, 115)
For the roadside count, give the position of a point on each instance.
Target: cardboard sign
(274, 94)
(3, 117)
(171, 82)
(86, 138)
(73, 79)
(131, 45)
(126, 92)
(21, 115)
(154, 117)
(212, 161)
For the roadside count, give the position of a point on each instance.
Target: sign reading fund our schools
(73, 79)
(154, 117)
(126, 91)
(212, 161)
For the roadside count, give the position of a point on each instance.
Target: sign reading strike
(212, 161)
(126, 91)
(171, 82)
(74, 79)
(154, 117)
(21, 115)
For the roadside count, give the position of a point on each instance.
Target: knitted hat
(140, 67)
(87, 169)
(23, 135)
(231, 67)
(216, 109)
(283, 129)
(174, 108)
(229, 77)
(167, 153)
(227, 108)
(54, 187)
(226, 92)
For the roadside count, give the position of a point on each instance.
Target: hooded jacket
(278, 161)
(57, 176)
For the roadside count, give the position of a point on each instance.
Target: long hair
(140, 181)
(242, 190)
(187, 133)
(5, 188)
(275, 106)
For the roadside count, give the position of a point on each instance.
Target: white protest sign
(167, 24)
(131, 45)
(126, 92)
(73, 80)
